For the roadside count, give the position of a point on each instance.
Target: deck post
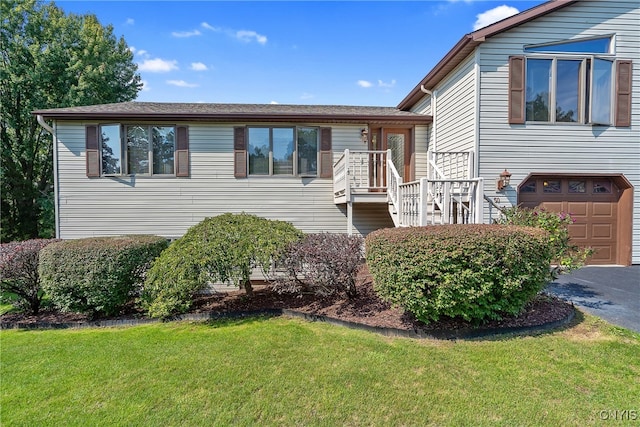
(446, 204)
(479, 202)
(349, 217)
(422, 207)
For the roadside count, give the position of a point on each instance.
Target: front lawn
(281, 371)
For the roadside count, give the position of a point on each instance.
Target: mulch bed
(365, 309)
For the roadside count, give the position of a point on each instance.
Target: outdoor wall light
(364, 135)
(503, 180)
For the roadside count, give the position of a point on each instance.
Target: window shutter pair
(517, 87)
(240, 167)
(93, 152)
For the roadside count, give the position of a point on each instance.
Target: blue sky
(313, 52)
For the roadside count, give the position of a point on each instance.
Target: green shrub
(19, 273)
(565, 255)
(97, 276)
(322, 264)
(224, 248)
(476, 272)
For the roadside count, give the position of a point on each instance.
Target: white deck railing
(359, 171)
(450, 165)
(436, 199)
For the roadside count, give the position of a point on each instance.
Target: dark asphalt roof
(206, 111)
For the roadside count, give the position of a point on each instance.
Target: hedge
(476, 272)
(97, 276)
(19, 272)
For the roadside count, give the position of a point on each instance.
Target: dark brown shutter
(516, 90)
(182, 151)
(239, 152)
(326, 157)
(92, 147)
(624, 71)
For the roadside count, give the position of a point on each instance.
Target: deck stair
(447, 195)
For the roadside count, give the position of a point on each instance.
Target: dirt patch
(365, 309)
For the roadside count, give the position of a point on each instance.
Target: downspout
(433, 95)
(56, 204)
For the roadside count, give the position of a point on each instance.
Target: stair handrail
(393, 184)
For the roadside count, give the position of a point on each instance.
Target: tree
(48, 60)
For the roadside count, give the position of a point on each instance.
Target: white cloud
(199, 66)
(364, 83)
(181, 83)
(210, 27)
(494, 15)
(249, 36)
(157, 65)
(184, 34)
(274, 103)
(387, 85)
(130, 21)
(246, 36)
(145, 86)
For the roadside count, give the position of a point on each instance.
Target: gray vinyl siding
(568, 148)
(167, 206)
(456, 109)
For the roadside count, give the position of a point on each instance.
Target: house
(539, 109)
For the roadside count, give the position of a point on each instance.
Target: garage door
(591, 201)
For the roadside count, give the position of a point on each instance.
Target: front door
(399, 142)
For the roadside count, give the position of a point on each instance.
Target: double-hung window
(283, 151)
(574, 81)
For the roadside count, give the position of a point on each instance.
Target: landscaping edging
(442, 334)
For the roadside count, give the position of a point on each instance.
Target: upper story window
(284, 151)
(575, 81)
(567, 82)
(116, 149)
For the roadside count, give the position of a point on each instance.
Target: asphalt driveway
(612, 293)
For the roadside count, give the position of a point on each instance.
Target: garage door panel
(577, 209)
(602, 209)
(578, 231)
(602, 255)
(553, 206)
(602, 231)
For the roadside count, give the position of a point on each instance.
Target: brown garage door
(591, 201)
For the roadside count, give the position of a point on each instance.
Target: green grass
(281, 371)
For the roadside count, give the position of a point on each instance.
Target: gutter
(434, 114)
(56, 195)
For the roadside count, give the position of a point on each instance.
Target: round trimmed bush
(476, 272)
(224, 248)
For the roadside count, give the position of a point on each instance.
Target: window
(111, 149)
(566, 82)
(272, 151)
(137, 150)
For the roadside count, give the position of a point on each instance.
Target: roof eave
(237, 117)
(470, 41)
